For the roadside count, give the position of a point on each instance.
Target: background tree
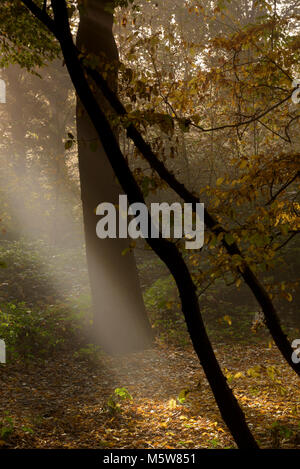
(120, 320)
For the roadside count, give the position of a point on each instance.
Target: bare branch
(287, 184)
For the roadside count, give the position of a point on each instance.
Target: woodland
(142, 343)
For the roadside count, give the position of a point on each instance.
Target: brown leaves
(62, 403)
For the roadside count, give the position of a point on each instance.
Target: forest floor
(80, 397)
(68, 402)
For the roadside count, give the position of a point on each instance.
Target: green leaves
(184, 124)
(122, 393)
(24, 40)
(71, 140)
(183, 395)
(6, 428)
(146, 182)
(113, 404)
(68, 144)
(229, 238)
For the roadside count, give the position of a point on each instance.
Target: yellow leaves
(228, 375)
(213, 241)
(172, 404)
(243, 164)
(195, 261)
(183, 395)
(132, 245)
(282, 286)
(271, 372)
(244, 398)
(229, 238)
(220, 180)
(280, 205)
(287, 296)
(237, 260)
(238, 375)
(284, 229)
(227, 319)
(254, 372)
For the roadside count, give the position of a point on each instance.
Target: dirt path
(65, 403)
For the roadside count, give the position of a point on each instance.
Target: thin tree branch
(246, 122)
(287, 240)
(287, 184)
(41, 15)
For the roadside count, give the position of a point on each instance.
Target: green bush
(114, 402)
(6, 427)
(162, 303)
(37, 333)
(37, 273)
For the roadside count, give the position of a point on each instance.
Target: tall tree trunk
(120, 320)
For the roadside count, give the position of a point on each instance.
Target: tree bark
(120, 321)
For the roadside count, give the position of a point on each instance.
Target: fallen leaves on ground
(62, 403)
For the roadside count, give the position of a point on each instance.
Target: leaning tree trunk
(120, 320)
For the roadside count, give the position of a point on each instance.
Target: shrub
(37, 273)
(162, 302)
(36, 333)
